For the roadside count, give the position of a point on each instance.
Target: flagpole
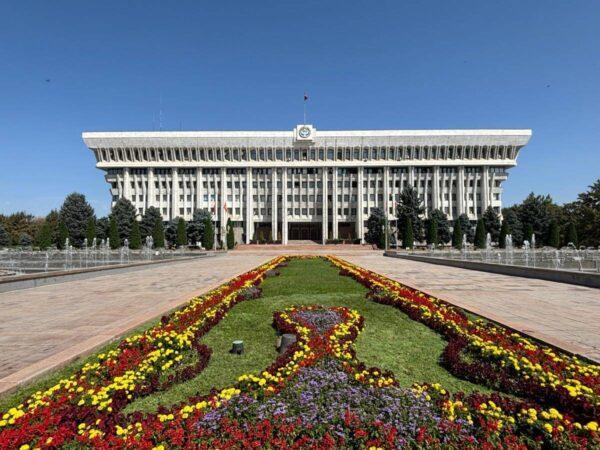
(304, 110)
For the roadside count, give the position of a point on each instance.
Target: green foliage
(91, 230)
(18, 223)
(491, 220)
(230, 235)
(528, 234)
(375, 224)
(44, 238)
(25, 240)
(181, 233)
(113, 233)
(514, 225)
(75, 213)
(158, 233)
(123, 212)
(536, 213)
(571, 236)
(195, 227)
(504, 231)
(585, 214)
(135, 239)
(554, 235)
(443, 226)
(51, 221)
(432, 231)
(102, 228)
(208, 238)
(480, 234)
(467, 227)
(410, 207)
(408, 239)
(63, 234)
(457, 235)
(5, 240)
(148, 222)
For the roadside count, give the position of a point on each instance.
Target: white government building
(305, 184)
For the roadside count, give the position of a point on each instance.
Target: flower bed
(317, 394)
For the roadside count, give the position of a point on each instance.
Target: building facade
(305, 184)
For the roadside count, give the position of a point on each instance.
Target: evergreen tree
(63, 234)
(480, 234)
(44, 237)
(443, 226)
(209, 235)
(195, 227)
(113, 234)
(74, 214)
(584, 213)
(135, 240)
(148, 222)
(457, 235)
(124, 214)
(514, 225)
(375, 224)
(181, 233)
(4, 237)
(467, 227)
(18, 223)
(536, 212)
(25, 240)
(230, 235)
(408, 238)
(91, 230)
(528, 232)
(158, 233)
(491, 220)
(102, 228)
(504, 231)
(432, 231)
(554, 235)
(410, 207)
(571, 236)
(51, 221)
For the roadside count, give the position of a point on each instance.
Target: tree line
(77, 221)
(553, 225)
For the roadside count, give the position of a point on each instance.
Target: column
(284, 207)
(435, 193)
(485, 189)
(150, 197)
(249, 207)
(334, 204)
(461, 190)
(360, 234)
(174, 193)
(126, 184)
(222, 213)
(386, 191)
(325, 216)
(198, 189)
(274, 204)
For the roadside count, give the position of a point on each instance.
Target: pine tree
(432, 231)
(491, 221)
(124, 214)
(457, 235)
(443, 227)
(195, 227)
(158, 233)
(135, 239)
(554, 235)
(375, 223)
(408, 238)
(411, 206)
(181, 233)
(75, 213)
(230, 235)
(91, 230)
(504, 231)
(25, 240)
(4, 237)
(208, 238)
(571, 236)
(528, 233)
(480, 235)
(113, 234)
(44, 237)
(149, 219)
(63, 234)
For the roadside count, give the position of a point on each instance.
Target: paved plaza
(44, 327)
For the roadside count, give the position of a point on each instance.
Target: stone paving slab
(45, 327)
(563, 315)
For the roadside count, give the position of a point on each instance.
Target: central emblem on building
(304, 133)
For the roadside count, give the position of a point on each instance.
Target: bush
(25, 240)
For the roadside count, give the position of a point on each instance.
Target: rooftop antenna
(160, 115)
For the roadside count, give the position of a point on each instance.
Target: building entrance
(305, 231)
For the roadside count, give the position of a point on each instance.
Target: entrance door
(304, 231)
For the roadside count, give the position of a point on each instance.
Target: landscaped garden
(375, 365)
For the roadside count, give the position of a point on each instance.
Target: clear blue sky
(245, 65)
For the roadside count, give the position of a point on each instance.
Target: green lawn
(390, 339)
